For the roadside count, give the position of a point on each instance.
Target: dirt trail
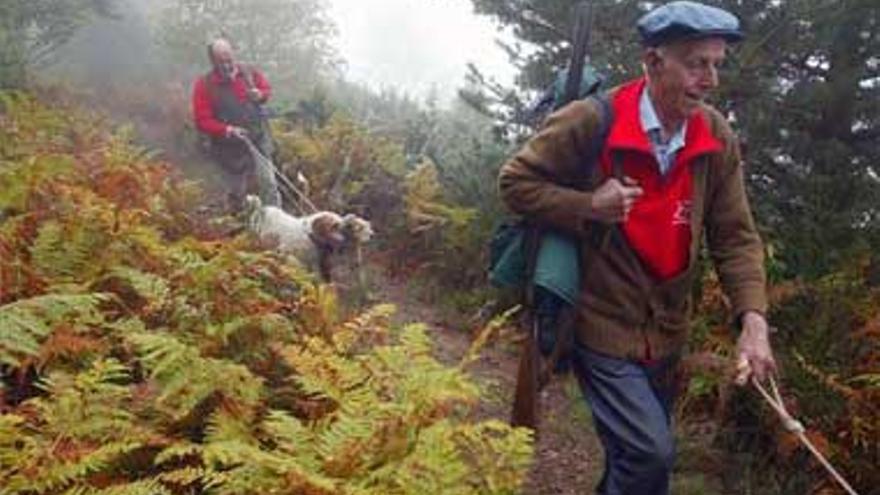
(568, 454)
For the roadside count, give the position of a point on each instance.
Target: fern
(25, 324)
(35, 474)
(194, 478)
(243, 340)
(390, 399)
(20, 180)
(92, 406)
(186, 378)
(68, 251)
(169, 363)
(225, 425)
(143, 487)
(291, 438)
(247, 470)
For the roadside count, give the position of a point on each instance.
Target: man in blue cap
(669, 173)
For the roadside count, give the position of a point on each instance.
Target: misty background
(418, 48)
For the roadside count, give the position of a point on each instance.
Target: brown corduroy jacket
(622, 311)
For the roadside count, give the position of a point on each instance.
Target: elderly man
(226, 107)
(668, 173)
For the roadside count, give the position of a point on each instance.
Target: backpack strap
(247, 73)
(606, 116)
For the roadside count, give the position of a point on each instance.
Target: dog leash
(796, 427)
(271, 168)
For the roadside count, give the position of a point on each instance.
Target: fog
(416, 47)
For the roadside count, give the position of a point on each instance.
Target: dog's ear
(358, 228)
(327, 229)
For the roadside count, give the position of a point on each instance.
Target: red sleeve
(262, 84)
(203, 115)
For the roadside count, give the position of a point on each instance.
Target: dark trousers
(631, 404)
(239, 169)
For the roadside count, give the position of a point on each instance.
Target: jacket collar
(627, 133)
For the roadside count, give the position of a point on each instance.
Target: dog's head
(327, 229)
(357, 229)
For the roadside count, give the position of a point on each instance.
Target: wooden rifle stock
(525, 399)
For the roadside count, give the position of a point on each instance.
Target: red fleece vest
(658, 227)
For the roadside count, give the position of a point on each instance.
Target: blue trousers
(631, 404)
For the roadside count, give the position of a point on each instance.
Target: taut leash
(265, 162)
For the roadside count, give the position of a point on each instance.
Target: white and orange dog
(312, 239)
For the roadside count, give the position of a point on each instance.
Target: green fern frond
(142, 487)
(93, 405)
(224, 426)
(32, 476)
(186, 378)
(19, 179)
(291, 438)
(152, 288)
(139, 245)
(484, 335)
(248, 469)
(415, 341)
(322, 371)
(193, 478)
(68, 251)
(374, 324)
(15, 443)
(177, 452)
(434, 466)
(26, 323)
(497, 454)
(342, 445)
(247, 339)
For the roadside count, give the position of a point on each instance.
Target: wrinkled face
(683, 74)
(327, 229)
(222, 59)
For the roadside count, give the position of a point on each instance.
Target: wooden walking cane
(531, 376)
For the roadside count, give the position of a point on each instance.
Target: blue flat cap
(687, 20)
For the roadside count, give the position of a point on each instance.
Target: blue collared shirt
(664, 151)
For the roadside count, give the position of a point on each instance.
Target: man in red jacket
(226, 105)
(669, 175)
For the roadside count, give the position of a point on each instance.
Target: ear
(652, 59)
(326, 227)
